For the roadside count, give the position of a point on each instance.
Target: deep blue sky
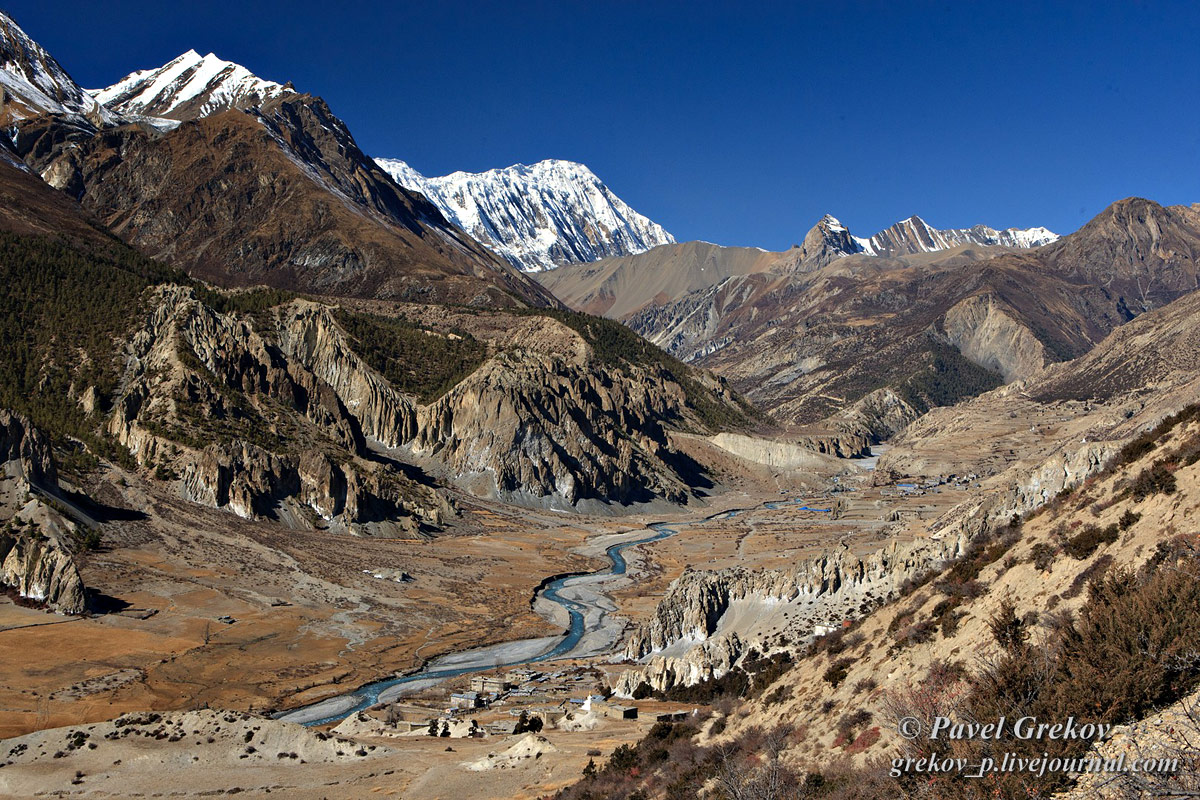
(735, 123)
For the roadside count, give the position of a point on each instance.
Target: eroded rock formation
(305, 426)
(40, 568)
(709, 620)
(35, 541)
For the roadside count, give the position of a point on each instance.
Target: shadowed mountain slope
(279, 195)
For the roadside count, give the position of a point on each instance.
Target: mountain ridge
(915, 235)
(622, 286)
(32, 82)
(802, 342)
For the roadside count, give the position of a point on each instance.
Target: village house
(465, 700)
(488, 684)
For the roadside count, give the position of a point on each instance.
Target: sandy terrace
(209, 753)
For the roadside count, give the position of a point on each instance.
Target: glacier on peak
(537, 216)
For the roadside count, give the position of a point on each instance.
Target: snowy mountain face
(914, 235)
(537, 217)
(32, 82)
(189, 87)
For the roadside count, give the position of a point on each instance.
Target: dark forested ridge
(616, 345)
(63, 310)
(412, 358)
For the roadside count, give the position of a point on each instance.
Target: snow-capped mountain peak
(32, 82)
(188, 87)
(537, 216)
(915, 235)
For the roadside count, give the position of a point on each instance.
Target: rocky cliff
(558, 432)
(208, 398)
(990, 333)
(279, 416)
(707, 621)
(35, 541)
(541, 421)
(25, 452)
(779, 455)
(40, 568)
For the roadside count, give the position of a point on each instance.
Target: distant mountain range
(914, 235)
(618, 286)
(537, 217)
(557, 213)
(829, 239)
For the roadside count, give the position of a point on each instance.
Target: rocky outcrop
(35, 541)
(187, 357)
(708, 620)
(989, 334)
(839, 444)
(875, 418)
(25, 452)
(255, 483)
(557, 432)
(40, 568)
(1064, 470)
(686, 327)
(1020, 489)
(538, 422)
(292, 451)
(825, 242)
(309, 335)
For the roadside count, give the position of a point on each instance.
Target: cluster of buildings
(523, 686)
(526, 699)
(917, 488)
